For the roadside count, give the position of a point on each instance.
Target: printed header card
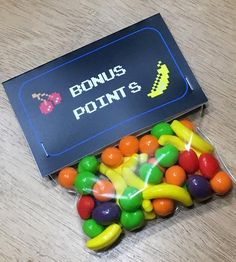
(85, 100)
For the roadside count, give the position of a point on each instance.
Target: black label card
(90, 98)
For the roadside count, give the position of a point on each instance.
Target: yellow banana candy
(106, 238)
(103, 168)
(132, 179)
(147, 205)
(177, 142)
(116, 179)
(168, 191)
(149, 215)
(143, 158)
(119, 168)
(188, 135)
(130, 162)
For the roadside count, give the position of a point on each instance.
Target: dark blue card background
(137, 49)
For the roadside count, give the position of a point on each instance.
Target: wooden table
(38, 221)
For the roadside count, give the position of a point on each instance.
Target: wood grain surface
(37, 220)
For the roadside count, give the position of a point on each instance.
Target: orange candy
(103, 190)
(175, 175)
(66, 177)
(112, 157)
(187, 123)
(221, 183)
(163, 206)
(129, 145)
(148, 144)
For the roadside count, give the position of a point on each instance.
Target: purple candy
(199, 187)
(106, 213)
(98, 203)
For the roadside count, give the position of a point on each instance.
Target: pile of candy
(142, 179)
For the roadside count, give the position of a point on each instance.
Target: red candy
(188, 160)
(85, 206)
(208, 165)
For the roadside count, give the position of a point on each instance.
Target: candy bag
(144, 178)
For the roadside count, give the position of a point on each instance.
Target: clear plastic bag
(144, 178)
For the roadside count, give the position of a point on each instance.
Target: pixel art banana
(161, 82)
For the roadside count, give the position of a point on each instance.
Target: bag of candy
(144, 178)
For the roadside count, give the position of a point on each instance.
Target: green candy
(161, 129)
(91, 228)
(150, 174)
(84, 182)
(132, 220)
(88, 163)
(185, 186)
(167, 155)
(131, 199)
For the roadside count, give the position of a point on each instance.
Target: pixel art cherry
(55, 98)
(48, 102)
(46, 107)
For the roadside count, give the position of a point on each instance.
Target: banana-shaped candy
(132, 179)
(116, 179)
(187, 135)
(143, 158)
(116, 174)
(168, 191)
(130, 162)
(147, 205)
(106, 238)
(103, 168)
(149, 215)
(177, 142)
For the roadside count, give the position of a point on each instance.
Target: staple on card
(45, 151)
(189, 84)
